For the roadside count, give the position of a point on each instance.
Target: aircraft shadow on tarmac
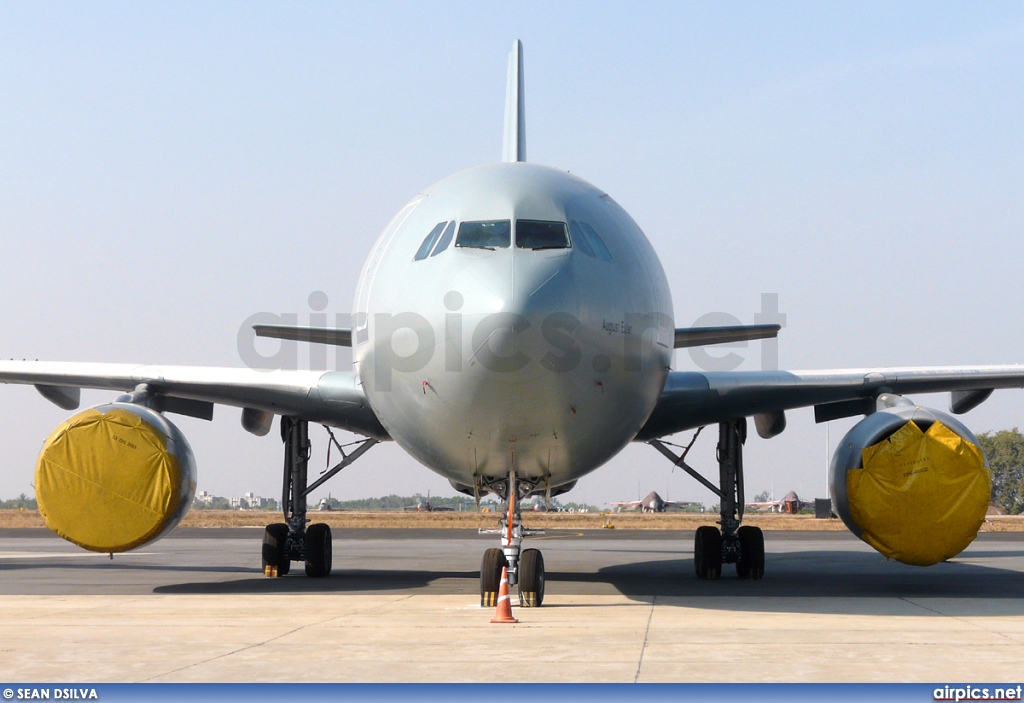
(98, 565)
(796, 582)
(354, 581)
(821, 582)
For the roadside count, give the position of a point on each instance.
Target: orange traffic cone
(503, 613)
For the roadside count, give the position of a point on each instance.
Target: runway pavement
(402, 605)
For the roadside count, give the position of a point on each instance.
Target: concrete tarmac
(402, 605)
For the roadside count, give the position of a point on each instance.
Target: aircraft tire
(275, 539)
(750, 565)
(318, 550)
(531, 578)
(490, 576)
(707, 552)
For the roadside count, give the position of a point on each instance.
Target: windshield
(588, 241)
(428, 242)
(486, 234)
(445, 240)
(537, 234)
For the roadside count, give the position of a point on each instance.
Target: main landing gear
(292, 540)
(732, 544)
(525, 566)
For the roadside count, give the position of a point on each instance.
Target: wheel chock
(270, 571)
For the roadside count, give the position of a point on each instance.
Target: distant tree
(1005, 452)
(22, 502)
(762, 497)
(395, 502)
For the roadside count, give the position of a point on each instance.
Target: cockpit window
(579, 240)
(445, 239)
(538, 234)
(595, 241)
(428, 243)
(487, 234)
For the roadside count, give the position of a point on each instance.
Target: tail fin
(514, 146)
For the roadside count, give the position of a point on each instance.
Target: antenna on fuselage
(514, 145)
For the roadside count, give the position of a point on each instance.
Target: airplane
(652, 503)
(324, 505)
(424, 506)
(537, 504)
(789, 503)
(513, 331)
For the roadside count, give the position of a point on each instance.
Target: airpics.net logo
(978, 693)
(501, 342)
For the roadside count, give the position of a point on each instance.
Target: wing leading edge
(333, 398)
(694, 399)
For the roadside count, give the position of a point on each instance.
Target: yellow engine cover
(107, 482)
(922, 496)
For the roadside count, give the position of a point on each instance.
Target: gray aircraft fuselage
(481, 359)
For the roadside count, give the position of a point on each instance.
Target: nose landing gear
(525, 567)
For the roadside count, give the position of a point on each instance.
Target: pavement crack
(960, 619)
(647, 632)
(254, 645)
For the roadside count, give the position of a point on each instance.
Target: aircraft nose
(543, 285)
(515, 321)
(513, 314)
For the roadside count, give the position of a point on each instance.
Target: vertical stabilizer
(514, 146)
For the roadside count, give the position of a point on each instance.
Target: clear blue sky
(169, 169)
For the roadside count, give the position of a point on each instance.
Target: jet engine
(911, 482)
(115, 477)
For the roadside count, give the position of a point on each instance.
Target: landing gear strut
(525, 567)
(292, 540)
(733, 544)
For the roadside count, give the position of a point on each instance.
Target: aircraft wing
(332, 398)
(626, 503)
(693, 399)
